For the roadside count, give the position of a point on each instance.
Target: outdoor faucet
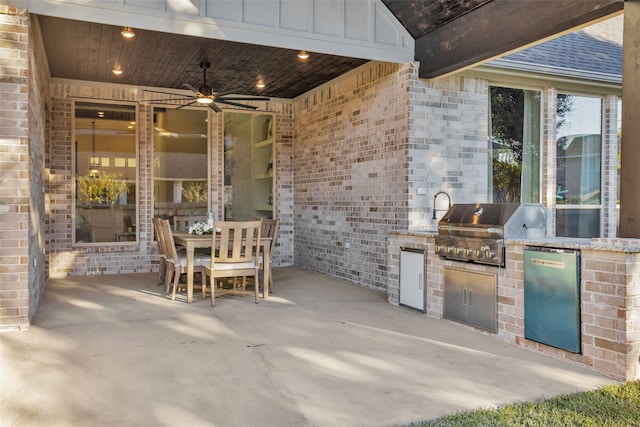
(434, 202)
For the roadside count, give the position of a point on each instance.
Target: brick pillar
(14, 168)
(549, 164)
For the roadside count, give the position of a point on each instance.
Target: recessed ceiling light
(127, 33)
(303, 54)
(260, 84)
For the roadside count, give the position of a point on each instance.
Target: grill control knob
(468, 252)
(449, 249)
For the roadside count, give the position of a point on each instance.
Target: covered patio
(114, 350)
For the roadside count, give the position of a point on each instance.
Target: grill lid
(477, 232)
(494, 220)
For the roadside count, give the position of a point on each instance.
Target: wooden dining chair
(269, 229)
(237, 246)
(162, 268)
(177, 261)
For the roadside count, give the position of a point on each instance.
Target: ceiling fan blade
(242, 98)
(236, 104)
(215, 108)
(192, 89)
(165, 100)
(185, 105)
(227, 92)
(164, 92)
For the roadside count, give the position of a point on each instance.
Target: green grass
(614, 405)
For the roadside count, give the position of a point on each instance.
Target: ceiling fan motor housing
(205, 89)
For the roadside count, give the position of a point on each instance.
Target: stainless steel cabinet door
(412, 278)
(470, 297)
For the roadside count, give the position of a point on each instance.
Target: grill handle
(489, 230)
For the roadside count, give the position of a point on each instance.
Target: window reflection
(180, 162)
(579, 153)
(515, 145)
(105, 202)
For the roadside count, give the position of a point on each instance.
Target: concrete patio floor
(113, 350)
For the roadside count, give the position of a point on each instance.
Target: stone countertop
(601, 244)
(418, 233)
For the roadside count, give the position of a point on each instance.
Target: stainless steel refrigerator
(552, 297)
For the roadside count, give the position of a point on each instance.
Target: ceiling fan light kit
(127, 33)
(205, 95)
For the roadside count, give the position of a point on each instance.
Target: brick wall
(371, 151)
(38, 119)
(610, 167)
(65, 258)
(14, 168)
(448, 148)
(549, 164)
(350, 172)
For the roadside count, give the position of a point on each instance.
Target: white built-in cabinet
(248, 166)
(412, 279)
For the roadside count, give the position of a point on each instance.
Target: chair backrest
(159, 236)
(239, 241)
(182, 222)
(167, 239)
(270, 229)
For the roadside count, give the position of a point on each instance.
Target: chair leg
(168, 275)
(162, 271)
(271, 279)
(213, 291)
(204, 285)
(257, 286)
(176, 279)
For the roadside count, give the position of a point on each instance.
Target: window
(248, 166)
(579, 152)
(105, 187)
(515, 145)
(180, 162)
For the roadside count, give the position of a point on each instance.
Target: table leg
(190, 252)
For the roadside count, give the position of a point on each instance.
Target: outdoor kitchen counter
(596, 244)
(610, 295)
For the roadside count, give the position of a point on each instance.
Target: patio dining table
(193, 241)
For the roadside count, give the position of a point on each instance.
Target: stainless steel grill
(477, 232)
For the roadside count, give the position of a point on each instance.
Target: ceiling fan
(205, 95)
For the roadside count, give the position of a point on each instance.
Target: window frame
(136, 132)
(601, 206)
(210, 148)
(542, 126)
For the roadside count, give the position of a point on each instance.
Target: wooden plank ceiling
(450, 34)
(454, 34)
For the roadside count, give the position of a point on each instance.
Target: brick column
(549, 164)
(14, 168)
